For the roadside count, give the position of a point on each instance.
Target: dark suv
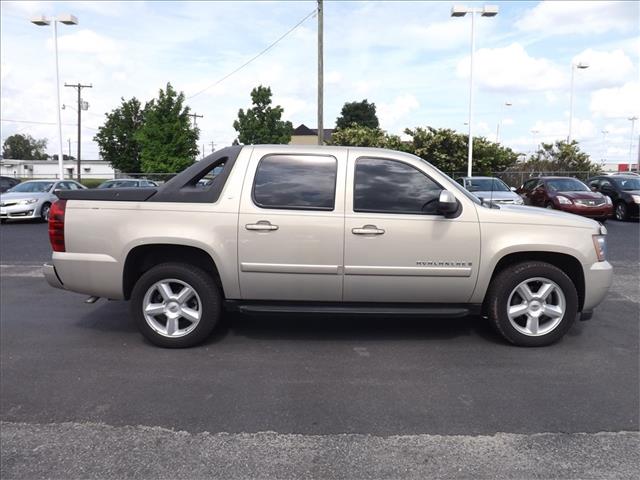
(623, 190)
(566, 194)
(7, 182)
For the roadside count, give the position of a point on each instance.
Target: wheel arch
(143, 257)
(569, 264)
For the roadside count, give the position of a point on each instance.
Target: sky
(410, 58)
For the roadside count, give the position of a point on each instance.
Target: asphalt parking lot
(383, 397)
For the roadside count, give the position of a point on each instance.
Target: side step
(356, 308)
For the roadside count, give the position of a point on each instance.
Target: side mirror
(513, 189)
(594, 188)
(447, 204)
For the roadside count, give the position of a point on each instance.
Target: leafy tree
(562, 157)
(262, 123)
(24, 147)
(360, 136)
(64, 157)
(117, 137)
(448, 150)
(359, 113)
(168, 142)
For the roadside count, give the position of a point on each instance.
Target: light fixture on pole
(574, 66)
(633, 124)
(43, 21)
(505, 104)
(461, 11)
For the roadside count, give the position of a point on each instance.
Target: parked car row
(33, 199)
(600, 197)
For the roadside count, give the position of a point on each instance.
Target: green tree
(358, 113)
(262, 123)
(360, 136)
(562, 157)
(168, 142)
(117, 140)
(24, 147)
(448, 150)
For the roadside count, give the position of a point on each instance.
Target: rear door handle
(367, 230)
(261, 226)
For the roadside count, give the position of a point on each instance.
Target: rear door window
(296, 182)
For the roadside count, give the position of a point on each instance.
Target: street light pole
(505, 104)
(581, 66)
(42, 21)
(633, 124)
(461, 11)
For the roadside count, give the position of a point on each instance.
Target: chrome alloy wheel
(536, 306)
(172, 308)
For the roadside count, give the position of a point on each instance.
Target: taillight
(56, 225)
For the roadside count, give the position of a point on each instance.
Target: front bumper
(51, 276)
(600, 211)
(597, 281)
(19, 212)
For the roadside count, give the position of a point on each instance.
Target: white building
(26, 169)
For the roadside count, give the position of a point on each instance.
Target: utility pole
(195, 117)
(633, 124)
(320, 76)
(79, 87)
(69, 142)
(203, 150)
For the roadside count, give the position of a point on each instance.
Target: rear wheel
(44, 212)
(532, 304)
(176, 305)
(621, 211)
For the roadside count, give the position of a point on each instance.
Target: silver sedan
(33, 199)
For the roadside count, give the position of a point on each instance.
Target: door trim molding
(408, 271)
(289, 268)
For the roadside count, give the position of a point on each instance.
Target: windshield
(567, 185)
(486, 185)
(627, 183)
(32, 187)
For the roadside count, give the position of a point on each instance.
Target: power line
(32, 121)
(254, 57)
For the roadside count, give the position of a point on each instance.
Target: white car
(32, 200)
(491, 189)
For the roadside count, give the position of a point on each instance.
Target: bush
(92, 182)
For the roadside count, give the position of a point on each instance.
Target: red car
(566, 194)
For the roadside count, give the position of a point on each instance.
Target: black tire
(621, 211)
(504, 284)
(550, 206)
(44, 212)
(210, 303)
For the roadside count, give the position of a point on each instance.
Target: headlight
(28, 201)
(518, 201)
(600, 244)
(608, 200)
(563, 200)
(636, 198)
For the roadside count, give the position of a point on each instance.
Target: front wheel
(550, 206)
(621, 211)
(176, 305)
(532, 304)
(44, 212)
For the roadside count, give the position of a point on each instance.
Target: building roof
(302, 130)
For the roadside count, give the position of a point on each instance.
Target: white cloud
(559, 129)
(391, 113)
(606, 69)
(580, 18)
(616, 102)
(512, 69)
(88, 42)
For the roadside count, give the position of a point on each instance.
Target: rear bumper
(89, 273)
(51, 276)
(597, 281)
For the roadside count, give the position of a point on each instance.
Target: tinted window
(389, 186)
(32, 187)
(486, 185)
(627, 183)
(530, 184)
(301, 182)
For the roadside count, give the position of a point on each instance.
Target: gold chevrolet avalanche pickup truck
(310, 229)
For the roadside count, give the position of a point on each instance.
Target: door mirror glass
(447, 203)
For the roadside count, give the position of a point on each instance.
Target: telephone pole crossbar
(195, 117)
(79, 87)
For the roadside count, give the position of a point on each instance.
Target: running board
(327, 308)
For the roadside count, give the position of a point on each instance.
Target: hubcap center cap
(173, 307)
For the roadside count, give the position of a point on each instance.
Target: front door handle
(261, 226)
(367, 230)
